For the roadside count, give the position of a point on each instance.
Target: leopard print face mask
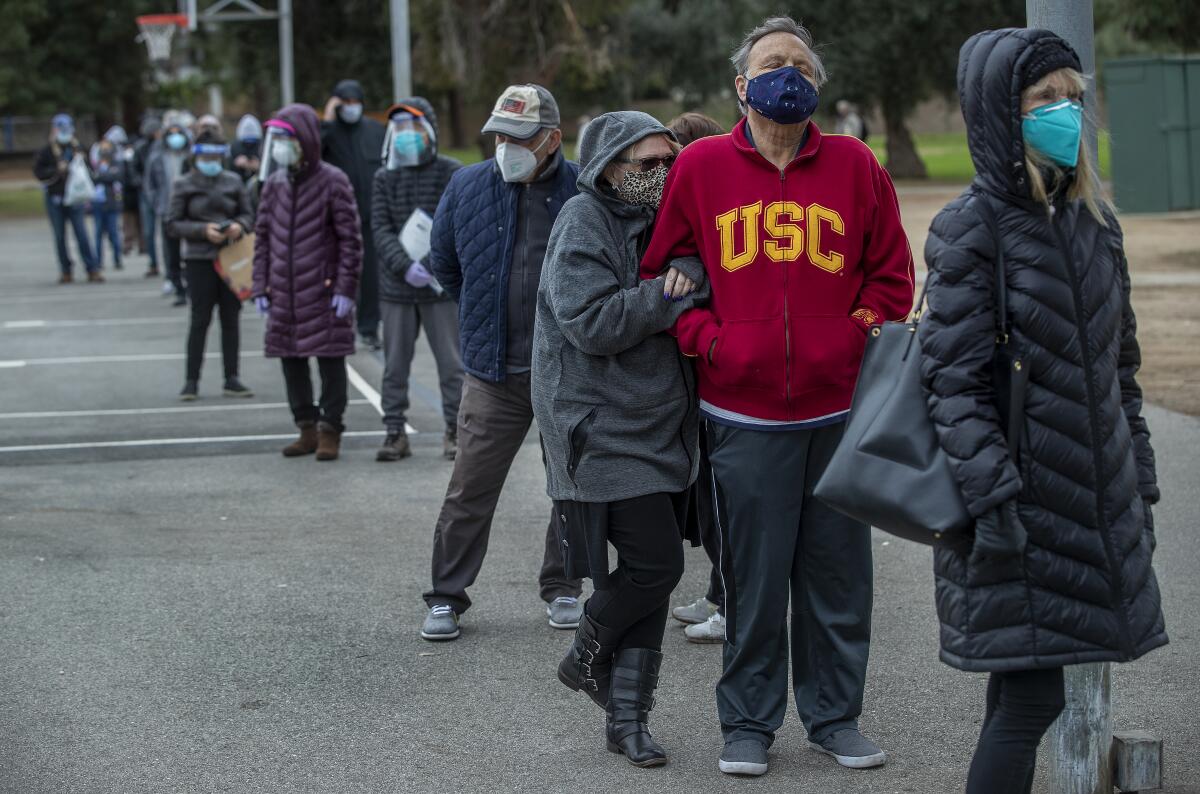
(643, 188)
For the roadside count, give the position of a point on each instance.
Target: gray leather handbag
(889, 470)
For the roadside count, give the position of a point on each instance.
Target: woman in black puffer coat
(1059, 570)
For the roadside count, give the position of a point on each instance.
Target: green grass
(23, 203)
(948, 160)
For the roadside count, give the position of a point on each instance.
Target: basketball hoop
(157, 30)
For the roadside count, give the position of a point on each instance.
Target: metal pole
(287, 75)
(1080, 742)
(401, 57)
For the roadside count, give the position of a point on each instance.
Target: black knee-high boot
(588, 663)
(634, 679)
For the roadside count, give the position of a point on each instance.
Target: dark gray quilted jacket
(395, 196)
(1084, 589)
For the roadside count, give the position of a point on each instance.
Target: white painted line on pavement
(12, 364)
(17, 325)
(112, 295)
(373, 397)
(46, 362)
(165, 442)
(141, 411)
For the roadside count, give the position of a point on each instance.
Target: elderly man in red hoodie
(801, 238)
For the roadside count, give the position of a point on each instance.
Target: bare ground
(1166, 247)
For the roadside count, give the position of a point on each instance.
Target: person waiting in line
(411, 183)
(209, 208)
(307, 257)
(704, 617)
(615, 403)
(51, 169)
(149, 135)
(1058, 570)
(352, 141)
(108, 174)
(489, 240)
(849, 121)
(165, 165)
(245, 152)
(802, 242)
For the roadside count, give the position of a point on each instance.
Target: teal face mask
(209, 167)
(1055, 130)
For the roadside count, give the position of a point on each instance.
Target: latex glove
(677, 286)
(1000, 533)
(342, 306)
(418, 276)
(263, 304)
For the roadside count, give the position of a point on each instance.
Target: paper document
(415, 238)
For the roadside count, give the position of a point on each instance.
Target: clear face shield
(280, 151)
(410, 140)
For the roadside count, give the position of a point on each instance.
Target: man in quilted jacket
(489, 239)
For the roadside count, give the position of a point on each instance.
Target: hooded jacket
(612, 395)
(397, 194)
(802, 263)
(1084, 589)
(307, 248)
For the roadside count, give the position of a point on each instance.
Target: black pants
(367, 310)
(209, 291)
(334, 383)
(646, 535)
(710, 535)
(174, 261)
(1021, 706)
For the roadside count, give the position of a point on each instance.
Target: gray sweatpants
(778, 541)
(402, 324)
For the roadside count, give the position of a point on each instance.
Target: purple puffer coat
(308, 248)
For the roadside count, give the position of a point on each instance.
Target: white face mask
(516, 162)
(285, 152)
(351, 113)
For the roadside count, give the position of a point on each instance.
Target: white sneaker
(698, 611)
(710, 631)
(167, 288)
(565, 612)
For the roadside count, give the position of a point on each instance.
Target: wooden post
(1137, 761)
(1080, 741)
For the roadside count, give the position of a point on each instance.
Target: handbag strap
(1000, 282)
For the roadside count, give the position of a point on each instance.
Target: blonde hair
(1086, 185)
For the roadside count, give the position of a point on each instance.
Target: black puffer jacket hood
(1083, 478)
(991, 74)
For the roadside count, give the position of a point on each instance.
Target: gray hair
(741, 56)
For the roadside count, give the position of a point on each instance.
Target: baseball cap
(522, 110)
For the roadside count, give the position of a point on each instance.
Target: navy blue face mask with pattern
(783, 95)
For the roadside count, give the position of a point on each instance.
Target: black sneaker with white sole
(440, 624)
(851, 749)
(235, 388)
(744, 757)
(190, 391)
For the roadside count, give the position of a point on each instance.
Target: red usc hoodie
(802, 264)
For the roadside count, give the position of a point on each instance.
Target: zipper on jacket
(1093, 417)
(787, 320)
(292, 255)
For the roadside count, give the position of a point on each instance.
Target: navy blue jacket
(473, 234)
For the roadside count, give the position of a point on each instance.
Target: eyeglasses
(645, 164)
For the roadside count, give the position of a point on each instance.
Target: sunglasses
(645, 164)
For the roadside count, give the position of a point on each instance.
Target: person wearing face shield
(210, 208)
(489, 239)
(246, 150)
(50, 168)
(307, 257)
(165, 164)
(352, 142)
(407, 191)
(614, 400)
(801, 240)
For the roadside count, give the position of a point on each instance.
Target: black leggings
(645, 532)
(208, 290)
(1021, 706)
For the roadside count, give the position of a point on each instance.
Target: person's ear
(555, 140)
(740, 85)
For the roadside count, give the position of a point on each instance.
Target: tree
(896, 55)
(1174, 23)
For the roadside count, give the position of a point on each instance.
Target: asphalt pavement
(183, 609)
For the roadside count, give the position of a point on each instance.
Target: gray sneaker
(698, 611)
(564, 612)
(440, 624)
(744, 757)
(710, 631)
(851, 749)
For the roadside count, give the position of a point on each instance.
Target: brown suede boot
(329, 441)
(306, 444)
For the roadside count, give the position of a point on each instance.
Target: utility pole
(287, 68)
(401, 56)
(1071, 19)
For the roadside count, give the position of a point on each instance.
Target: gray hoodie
(614, 399)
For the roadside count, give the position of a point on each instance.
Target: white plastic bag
(79, 188)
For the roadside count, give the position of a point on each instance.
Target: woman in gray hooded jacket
(615, 404)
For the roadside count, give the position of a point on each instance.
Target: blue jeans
(59, 215)
(149, 230)
(108, 224)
